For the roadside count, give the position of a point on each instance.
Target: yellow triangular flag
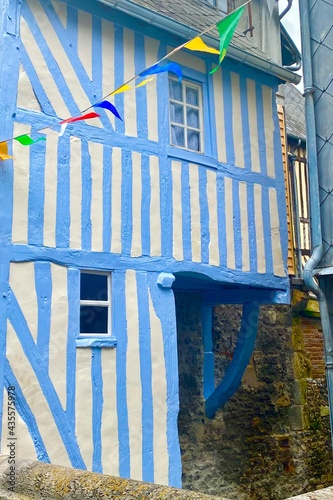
(141, 84)
(198, 44)
(121, 89)
(4, 151)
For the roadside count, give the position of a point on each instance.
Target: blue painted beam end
(165, 280)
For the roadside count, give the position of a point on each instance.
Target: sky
(291, 22)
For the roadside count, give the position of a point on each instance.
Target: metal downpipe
(316, 233)
(311, 284)
(287, 9)
(296, 66)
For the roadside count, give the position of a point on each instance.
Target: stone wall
(272, 439)
(31, 480)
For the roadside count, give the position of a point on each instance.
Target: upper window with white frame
(186, 115)
(95, 308)
(223, 5)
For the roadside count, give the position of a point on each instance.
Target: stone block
(271, 316)
(297, 336)
(302, 366)
(250, 376)
(282, 401)
(296, 415)
(312, 309)
(299, 392)
(299, 300)
(324, 411)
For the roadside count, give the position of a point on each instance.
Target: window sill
(109, 342)
(191, 156)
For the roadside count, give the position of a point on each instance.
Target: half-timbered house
(100, 224)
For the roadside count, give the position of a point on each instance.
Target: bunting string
(225, 27)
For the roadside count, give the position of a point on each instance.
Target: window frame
(97, 339)
(198, 85)
(229, 5)
(217, 5)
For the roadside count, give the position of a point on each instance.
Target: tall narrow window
(186, 127)
(95, 305)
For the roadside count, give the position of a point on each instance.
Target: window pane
(223, 5)
(193, 140)
(192, 96)
(178, 137)
(94, 286)
(175, 90)
(93, 319)
(193, 117)
(177, 113)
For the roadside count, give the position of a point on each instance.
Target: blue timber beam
(243, 351)
(241, 295)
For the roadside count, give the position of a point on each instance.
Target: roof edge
(296, 138)
(175, 27)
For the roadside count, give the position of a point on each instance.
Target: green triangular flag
(226, 28)
(25, 140)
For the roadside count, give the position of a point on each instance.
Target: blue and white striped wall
(112, 186)
(115, 196)
(107, 410)
(103, 199)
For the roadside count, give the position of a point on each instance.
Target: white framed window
(186, 115)
(95, 309)
(220, 4)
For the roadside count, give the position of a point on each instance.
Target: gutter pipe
(287, 9)
(182, 30)
(292, 49)
(316, 234)
(298, 64)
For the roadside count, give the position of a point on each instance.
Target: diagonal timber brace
(216, 398)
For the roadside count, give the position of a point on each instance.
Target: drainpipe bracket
(308, 90)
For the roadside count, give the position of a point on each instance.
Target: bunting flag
(226, 28)
(119, 90)
(88, 116)
(64, 123)
(108, 105)
(156, 68)
(25, 140)
(4, 151)
(198, 44)
(62, 129)
(126, 87)
(144, 82)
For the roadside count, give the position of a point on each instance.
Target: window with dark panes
(95, 303)
(221, 4)
(186, 127)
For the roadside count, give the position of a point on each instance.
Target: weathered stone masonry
(272, 439)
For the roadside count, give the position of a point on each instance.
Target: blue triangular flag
(108, 105)
(173, 67)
